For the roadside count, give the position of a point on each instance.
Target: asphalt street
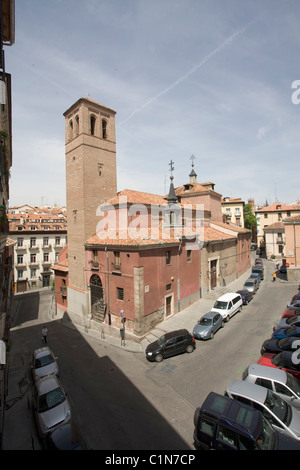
(120, 400)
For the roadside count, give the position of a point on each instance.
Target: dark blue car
(286, 332)
(275, 345)
(246, 295)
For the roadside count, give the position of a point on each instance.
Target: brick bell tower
(91, 179)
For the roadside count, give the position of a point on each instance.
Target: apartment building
(233, 208)
(39, 234)
(267, 216)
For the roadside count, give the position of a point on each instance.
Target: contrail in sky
(192, 70)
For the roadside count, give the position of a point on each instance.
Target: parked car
(283, 269)
(255, 276)
(246, 295)
(277, 411)
(43, 363)
(258, 261)
(50, 404)
(286, 332)
(251, 285)
(277, 380)
(208, 325)
(273, 345)
(170, 344)
(228, 305)
(294, 305)
(288, 313)
(225, 424)
(283, 360)
(65, 437)
(258, 269)
(287, 322)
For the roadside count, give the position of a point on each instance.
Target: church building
(134, 255)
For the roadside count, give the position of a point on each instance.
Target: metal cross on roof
(171, 166)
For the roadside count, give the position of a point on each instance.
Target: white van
(228, 304)
(277, 380)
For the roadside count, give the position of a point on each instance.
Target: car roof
(171, 334)
(249, 279)
(210, 314)
(228, 296)
(247, 389)
(267, 372)
(239, 415)
(45, 384)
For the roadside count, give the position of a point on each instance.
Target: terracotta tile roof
(276, 225)
(277, 206)
(231, 227)
(123, 238)
(137, 197)
(211, 233)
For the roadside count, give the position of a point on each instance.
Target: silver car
(43, 363)
(50, 404)
(287, 322)
(208, 325)
(295, 305)
(283, 416)
(251, 285)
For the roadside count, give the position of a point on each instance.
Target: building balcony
(34, 248)
(47, 247)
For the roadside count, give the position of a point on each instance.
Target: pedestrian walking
(274, 277)
(44, 334)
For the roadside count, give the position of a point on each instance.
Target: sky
(208, 78)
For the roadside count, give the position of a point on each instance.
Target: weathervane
(171, 167)
(192, 157)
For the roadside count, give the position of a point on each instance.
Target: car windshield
(220, 304)
(267, 438)
(293, 384)
(51, 399)
(283, 342)
(248, 283)
(161, 340)
(279, 407)
(43, 361)
(205, 321)
(292, 319)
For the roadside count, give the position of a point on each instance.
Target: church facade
(134, 256)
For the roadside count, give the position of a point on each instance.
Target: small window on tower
(93, 124)
(104, 129)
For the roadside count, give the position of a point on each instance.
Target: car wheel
(158, 358)
(222, 324)
(212, 335)
(227, 319)
(189, 348)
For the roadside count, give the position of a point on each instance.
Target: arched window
(70, 130)
(104, 129)
(77, 124)
(93, 125)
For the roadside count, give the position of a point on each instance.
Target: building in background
(39, 234)
(233, 208)
(267, 216)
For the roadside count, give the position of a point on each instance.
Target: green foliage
(250, 219)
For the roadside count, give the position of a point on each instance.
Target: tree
(250, 219)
